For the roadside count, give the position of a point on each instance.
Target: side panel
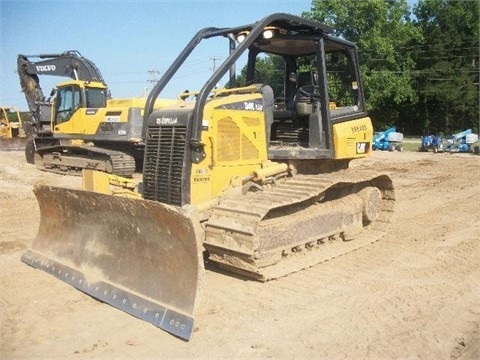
(121, 120)
(105, 123)
(353, 139)
(235, 140)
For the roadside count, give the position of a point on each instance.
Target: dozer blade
(140, 256)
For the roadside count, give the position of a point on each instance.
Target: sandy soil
(413, 294)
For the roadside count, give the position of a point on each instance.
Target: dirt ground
(413, 294)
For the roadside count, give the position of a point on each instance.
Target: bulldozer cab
(297, 98)
(314, 79)
(12, 132)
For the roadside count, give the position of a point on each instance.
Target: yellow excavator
(79, 126)
(254, 176)
(12, 134)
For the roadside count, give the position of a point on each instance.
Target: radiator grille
(163, 167)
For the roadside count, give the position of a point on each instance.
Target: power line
(153, 73)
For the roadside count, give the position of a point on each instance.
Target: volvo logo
(46, 67)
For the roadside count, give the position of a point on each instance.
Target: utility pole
(214, 63)
(154, 77)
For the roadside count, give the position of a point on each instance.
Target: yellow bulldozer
(12, 134)
(252, 173)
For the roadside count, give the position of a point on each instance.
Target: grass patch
(411, 143)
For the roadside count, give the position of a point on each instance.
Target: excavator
(256, 182)
(12, 134)
(79, 126)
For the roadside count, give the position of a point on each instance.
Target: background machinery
(432, 141)
(462, 142)
(12, 134)
(106, 132)
(257, 181)
(389, 139)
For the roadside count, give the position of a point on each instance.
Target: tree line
(419, 64)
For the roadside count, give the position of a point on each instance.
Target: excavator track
(71, 160)
(299, 223)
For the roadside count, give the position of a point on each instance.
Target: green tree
(382, 29)
(448, 63)
(269, 69)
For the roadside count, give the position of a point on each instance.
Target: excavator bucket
(140, 256)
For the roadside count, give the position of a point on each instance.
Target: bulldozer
(254, 180)
(79, 126)
(12, 134)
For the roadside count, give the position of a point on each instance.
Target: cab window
(68, 101)
(96, 98)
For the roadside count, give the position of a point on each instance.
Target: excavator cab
(250, 171)
(72, 96)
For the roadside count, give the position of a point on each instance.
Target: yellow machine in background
(12, 134)
(80, 109)
(101, 119)
(10, 123)
(254, 176)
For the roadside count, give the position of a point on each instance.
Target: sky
(125, 39)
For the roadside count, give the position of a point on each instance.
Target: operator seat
(301, 102)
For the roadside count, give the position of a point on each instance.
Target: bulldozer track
(70, 160)
(237, 227)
